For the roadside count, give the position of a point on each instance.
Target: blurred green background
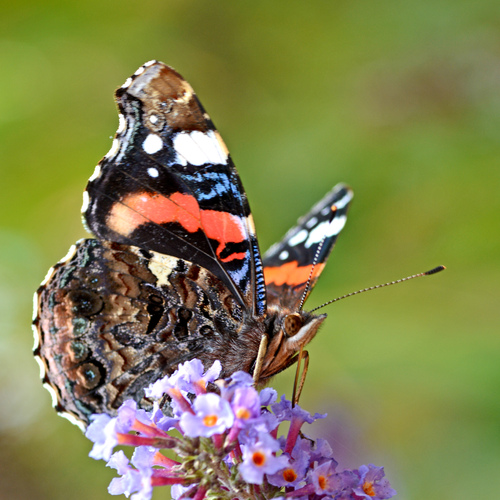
(399, 99)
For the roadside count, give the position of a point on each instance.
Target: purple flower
(241, 379)
(322, 451)
(177, 490)
(372, 484)
(268, 396)
(292, 474)
(244, 439)
(238, 380)
(259, 459)
(246, 405)
(297, 416)
(192, 377)
(318, 451)
(189, 377)
(320, 477)
(327, 481)
(159, 419)
(264, 424)
(102, 432)
(213, 415)
(133, 479)
(127, 413)
(285, 411)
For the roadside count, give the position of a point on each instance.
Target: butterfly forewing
(298, 259)
(169, 185)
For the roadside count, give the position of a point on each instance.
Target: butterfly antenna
(427, 273)
(315, 261)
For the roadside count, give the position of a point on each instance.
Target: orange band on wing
(290, 274)
(222, 226)
(137, 209)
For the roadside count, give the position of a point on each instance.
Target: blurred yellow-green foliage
(400, 99)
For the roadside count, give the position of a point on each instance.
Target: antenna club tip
(435, 270)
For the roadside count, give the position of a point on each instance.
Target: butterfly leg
(298, 386)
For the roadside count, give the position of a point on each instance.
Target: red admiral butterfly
(174, 271)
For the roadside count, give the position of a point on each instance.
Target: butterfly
(173, 270)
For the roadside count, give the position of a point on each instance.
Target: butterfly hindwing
(114, 318)
(169, 185)
(288, 264)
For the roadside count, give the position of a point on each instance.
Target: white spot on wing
(343, 201)
(96, 174)
(36, 337)
(153, 172)
(127, 83)
(86, 202)
(152, 144)
(298, 238)
(198, 148)
(325, 230)
(153, 119)
(337, 225)
(284, 255)
(115, 147)
(180, 160)
(38, 359)
(35, 315)
(326, 211)
(122, 124)
(49, 275)
(162, 266)
(311, 222)
(68, 256)
(317, 234)
(51, 271)
(73, 420)
(52, 393)
(211, 143)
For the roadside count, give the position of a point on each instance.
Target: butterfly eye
(292, 324)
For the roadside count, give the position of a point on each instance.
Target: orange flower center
(368, 488)
(259, 459)
(322, 482)
(289, 475)
(210, 420)
(243, 413)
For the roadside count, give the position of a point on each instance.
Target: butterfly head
(291, 331)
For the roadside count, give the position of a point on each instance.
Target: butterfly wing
(169, 185)
(114, 318)
(288, 265)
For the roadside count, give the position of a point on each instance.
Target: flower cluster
(227, 445)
